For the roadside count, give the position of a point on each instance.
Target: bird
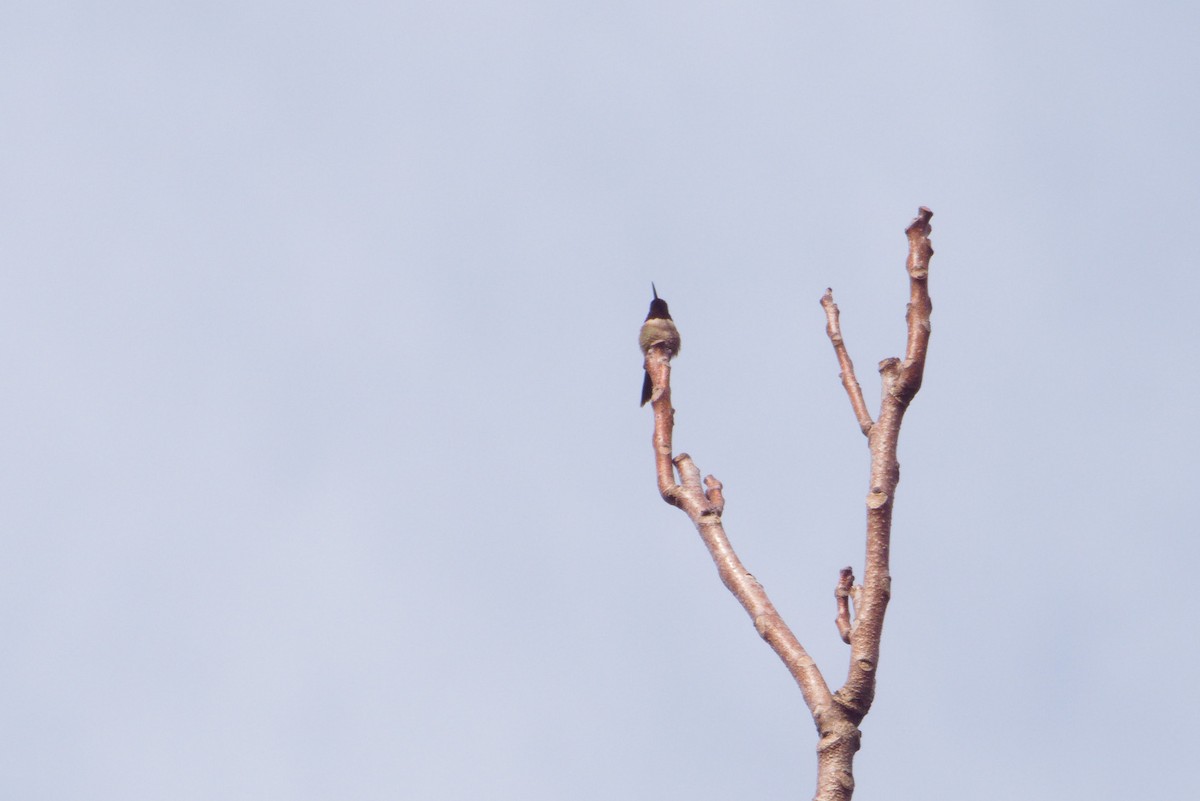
(659, 329)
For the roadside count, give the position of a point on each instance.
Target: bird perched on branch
(659, 329)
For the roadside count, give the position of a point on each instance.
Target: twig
(842, 593)
(834, 329)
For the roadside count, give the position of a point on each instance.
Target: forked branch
(836, 715)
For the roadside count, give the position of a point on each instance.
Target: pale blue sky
(323, 474)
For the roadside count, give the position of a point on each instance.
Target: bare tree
(837, 715)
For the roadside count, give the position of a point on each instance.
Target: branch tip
(715, 495)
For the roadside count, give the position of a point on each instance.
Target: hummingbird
(659, 329)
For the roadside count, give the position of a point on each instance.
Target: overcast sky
(322, 473)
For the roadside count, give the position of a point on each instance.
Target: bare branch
(900, 381)
(704, 504)
(658, 365)
(834, 329)
(919, 306)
